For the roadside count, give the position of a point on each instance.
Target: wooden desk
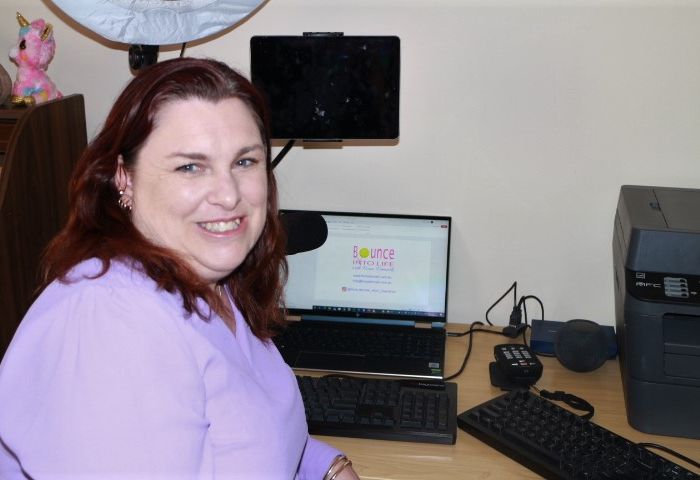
(469, 457)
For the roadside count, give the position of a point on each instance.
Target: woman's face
(199, 184)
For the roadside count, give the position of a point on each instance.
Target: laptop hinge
(428, 326)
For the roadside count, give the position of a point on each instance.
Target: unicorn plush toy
(32, 53)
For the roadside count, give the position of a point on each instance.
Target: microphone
(306, 231)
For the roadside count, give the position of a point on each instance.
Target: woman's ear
(122, 178)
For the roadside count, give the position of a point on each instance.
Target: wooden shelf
(39, 146)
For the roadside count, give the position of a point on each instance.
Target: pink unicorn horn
(21, 20)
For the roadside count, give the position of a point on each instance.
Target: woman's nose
(225, 191)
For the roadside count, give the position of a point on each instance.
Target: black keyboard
(558, 444)
(388, 341)
(386, 409)
(391, 350)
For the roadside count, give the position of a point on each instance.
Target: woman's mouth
(221, 227)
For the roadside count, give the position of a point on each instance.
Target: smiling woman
(149, 349)
(174, 141)
(196, 188)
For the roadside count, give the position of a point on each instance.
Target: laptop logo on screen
(373, 269)
(373, 257)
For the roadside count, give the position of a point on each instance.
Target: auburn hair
(98, 228)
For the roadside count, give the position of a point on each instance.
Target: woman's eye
(246, 162)
(189, 168)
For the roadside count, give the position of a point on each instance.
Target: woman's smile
(221, 226)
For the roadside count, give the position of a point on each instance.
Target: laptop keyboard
(388, 342)
(404, 410)
(390, 345)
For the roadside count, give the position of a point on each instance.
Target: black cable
(523, 303)
(469, 332)
(669, 451)
(528, 297)
(570, 399)
(182, 49)
(524, 306)
(514, 288)
(278, 158)
(525, 337)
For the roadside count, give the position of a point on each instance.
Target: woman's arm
(99, 383)
(318, 460)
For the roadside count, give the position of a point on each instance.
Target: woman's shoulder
(88, 308)
(89, 292)
(118, 272)
(118, 275)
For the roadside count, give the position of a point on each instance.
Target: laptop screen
(377, 266)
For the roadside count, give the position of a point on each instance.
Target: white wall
(520, 119)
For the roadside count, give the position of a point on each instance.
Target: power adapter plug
(515, 325)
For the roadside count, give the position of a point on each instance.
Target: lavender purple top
(108, 378)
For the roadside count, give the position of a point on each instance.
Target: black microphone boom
(306, 231)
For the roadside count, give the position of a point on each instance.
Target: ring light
(157, 22)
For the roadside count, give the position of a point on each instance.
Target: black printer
(656, 253)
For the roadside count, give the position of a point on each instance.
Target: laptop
(372, 298)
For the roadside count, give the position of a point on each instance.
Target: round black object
(141, 56)
(580, 345)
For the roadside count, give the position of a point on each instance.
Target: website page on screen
(380, 265)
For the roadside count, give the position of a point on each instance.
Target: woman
(148, 354)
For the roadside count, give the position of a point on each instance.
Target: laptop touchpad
(330, 361)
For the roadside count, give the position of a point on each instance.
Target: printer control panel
(666, 287)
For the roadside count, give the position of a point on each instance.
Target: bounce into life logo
(373, 257)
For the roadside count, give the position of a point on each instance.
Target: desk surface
(469, 457)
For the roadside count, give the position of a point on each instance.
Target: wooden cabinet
(39, 146)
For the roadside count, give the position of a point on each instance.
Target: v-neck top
(109, 378)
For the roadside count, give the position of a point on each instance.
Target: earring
(124, 201)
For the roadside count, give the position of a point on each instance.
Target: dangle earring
(124, 201)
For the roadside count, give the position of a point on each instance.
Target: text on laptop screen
(377, 266)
